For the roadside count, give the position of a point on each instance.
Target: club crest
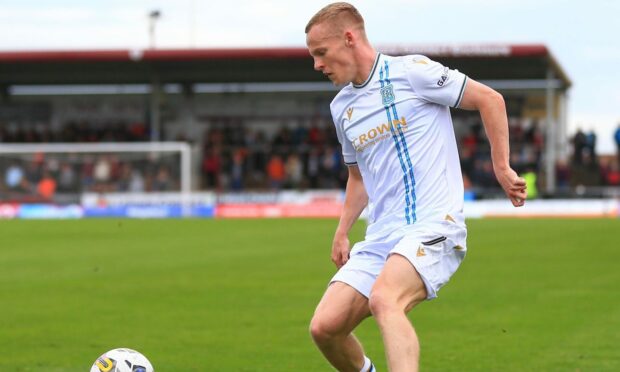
(387, 94)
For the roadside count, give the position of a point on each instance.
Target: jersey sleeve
(434, 82)
(348, 152)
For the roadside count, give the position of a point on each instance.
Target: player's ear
(349, 39)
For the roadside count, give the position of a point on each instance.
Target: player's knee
(381, 303)
(322, 329)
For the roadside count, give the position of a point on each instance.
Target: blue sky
(583, 35)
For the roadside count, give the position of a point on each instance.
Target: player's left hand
(513, 185)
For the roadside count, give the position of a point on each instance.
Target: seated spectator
(562, 175)
(67, 179)
(276, 172)
(14, 177)
(294, 171)
(617, 140)
(46, 187)
(237, 170)
(211, 168)
(136, 181)
(613, 176)
(162, 181)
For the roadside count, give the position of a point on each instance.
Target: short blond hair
(334, 12)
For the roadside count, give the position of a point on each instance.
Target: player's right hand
(340, 250)
(513, 185)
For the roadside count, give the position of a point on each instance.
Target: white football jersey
(396, 127)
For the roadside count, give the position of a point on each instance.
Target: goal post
(163, 161)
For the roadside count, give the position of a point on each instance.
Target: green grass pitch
(237, 295)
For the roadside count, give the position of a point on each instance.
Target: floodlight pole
(551, 140)
(154, 109)
(192, 23)
(154, 15)
(563, 135)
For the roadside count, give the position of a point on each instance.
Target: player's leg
(419, 265)
(341, 309)
(397, 290)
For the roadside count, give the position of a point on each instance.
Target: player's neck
(366, 60)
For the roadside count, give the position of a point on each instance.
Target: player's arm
(492, 110)
(355, 201)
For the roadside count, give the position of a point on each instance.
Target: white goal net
(62, 173)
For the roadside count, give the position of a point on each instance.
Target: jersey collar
(372, 73)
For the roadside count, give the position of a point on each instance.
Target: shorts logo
(387, 95)
(420, 252)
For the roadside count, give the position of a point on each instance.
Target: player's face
(330, 52)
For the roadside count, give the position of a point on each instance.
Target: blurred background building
(258, 120)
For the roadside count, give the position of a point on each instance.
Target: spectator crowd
(237, 156)
(587, 168)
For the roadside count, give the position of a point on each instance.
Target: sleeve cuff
(460, 97)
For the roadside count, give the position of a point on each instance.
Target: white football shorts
(435, 249)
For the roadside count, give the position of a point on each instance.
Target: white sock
(367, 365)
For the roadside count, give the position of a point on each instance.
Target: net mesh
(64, 176)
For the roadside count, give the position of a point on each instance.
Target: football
(122, 360)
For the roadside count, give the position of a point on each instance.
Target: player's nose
(318, 64)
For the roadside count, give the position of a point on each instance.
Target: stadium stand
(257, 118)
